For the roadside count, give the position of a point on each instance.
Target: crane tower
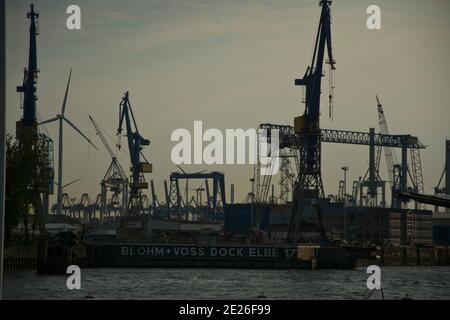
(139, 164)
(308, 186)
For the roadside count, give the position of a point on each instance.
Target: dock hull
(223, 256)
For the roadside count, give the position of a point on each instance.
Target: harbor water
(396, 282)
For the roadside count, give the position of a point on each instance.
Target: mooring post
(42, 255)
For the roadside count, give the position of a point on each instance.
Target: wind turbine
(61, 118)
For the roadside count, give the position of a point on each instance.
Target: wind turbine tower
(61, 118)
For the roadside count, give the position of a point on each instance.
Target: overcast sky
(232, 64)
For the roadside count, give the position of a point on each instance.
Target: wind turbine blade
(70, 183)
(63, 109)
(81, 133)
(181, 169)
(48, 121)
(39, 118)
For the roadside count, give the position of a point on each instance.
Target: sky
(232, 64)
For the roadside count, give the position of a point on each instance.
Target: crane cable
(331, 92)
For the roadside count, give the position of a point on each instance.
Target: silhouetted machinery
(26, 128)
(135, 145)
(308, 185)
(115, 181)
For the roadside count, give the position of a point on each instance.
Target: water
(397, 282)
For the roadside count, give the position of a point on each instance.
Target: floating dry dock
(223, 256)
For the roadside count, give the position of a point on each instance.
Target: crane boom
(102, 138)
(313, 76)
(391, 159)
(108, 148)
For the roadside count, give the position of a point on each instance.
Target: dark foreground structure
(132, 255)
(224, 256)
(264, 257)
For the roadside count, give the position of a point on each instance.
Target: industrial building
(343, 223)
(441, 228)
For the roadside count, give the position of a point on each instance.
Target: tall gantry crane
(135, 145)
(308, 185)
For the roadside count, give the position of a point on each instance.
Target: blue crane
(313, 75)
(309, 184)
(28, 88)
(27, 127)
(135, 145)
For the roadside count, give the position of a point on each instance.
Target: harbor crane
(114, 180)
(391, 159)
(135, 145)
(28, 88)
(398, 173)
(308, 185)
(27, 132)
